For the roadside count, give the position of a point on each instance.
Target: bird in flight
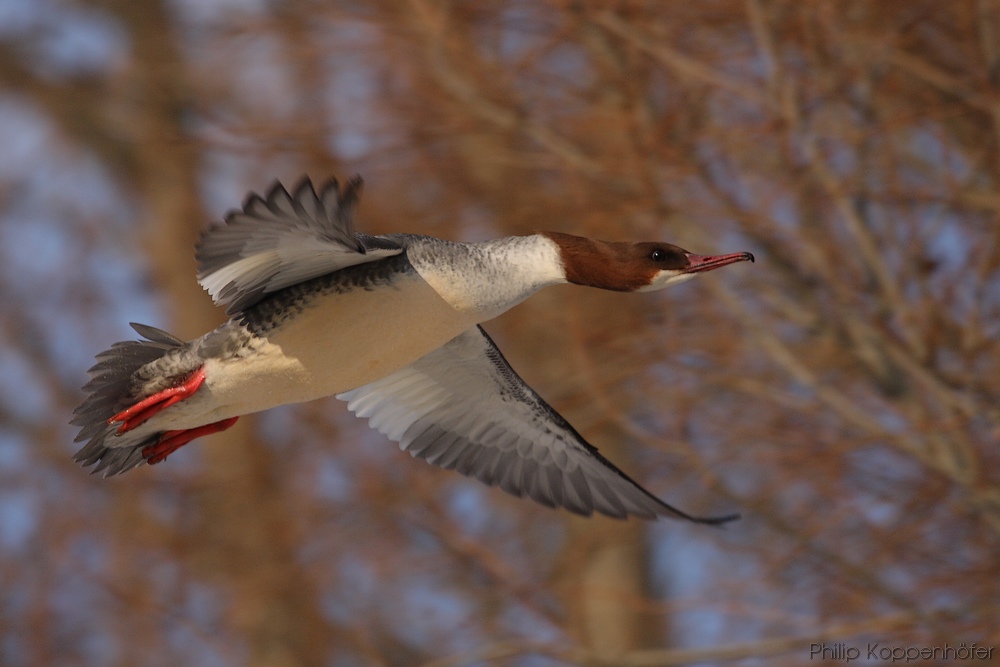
(391, 325)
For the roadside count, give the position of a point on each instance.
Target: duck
(390, 324)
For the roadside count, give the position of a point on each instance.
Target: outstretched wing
(283, 239)
(463, 407)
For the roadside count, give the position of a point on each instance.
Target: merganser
(390, 324)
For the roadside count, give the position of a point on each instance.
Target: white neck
(487, 278)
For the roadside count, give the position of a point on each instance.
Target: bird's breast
(337, 342)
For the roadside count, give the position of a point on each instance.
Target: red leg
(161, 400)
(171, 441)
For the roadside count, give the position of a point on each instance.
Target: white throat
(491, 277)
(664, 278)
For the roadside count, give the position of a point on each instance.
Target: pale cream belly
(340, 342)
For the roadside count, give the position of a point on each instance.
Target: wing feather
(283, 239)
(463, 407)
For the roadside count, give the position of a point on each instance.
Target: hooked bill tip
(700, 263)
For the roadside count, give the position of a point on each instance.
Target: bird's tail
(109, 391)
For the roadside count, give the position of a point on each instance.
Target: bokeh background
(842, 393)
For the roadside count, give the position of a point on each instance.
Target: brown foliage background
(841, 393)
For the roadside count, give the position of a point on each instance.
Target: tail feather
(109, 391)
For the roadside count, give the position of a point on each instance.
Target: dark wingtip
(354, 183)
(350, 194)
(277, 189)
(303, 188)
(717, 520)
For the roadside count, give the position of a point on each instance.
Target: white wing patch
(283, 239)
(463, 407)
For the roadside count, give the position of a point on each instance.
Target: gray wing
(283, 239)
(463, 407)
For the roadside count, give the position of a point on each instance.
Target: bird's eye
(658, 255)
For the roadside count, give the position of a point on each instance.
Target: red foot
(161, 400)
(171, 441)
